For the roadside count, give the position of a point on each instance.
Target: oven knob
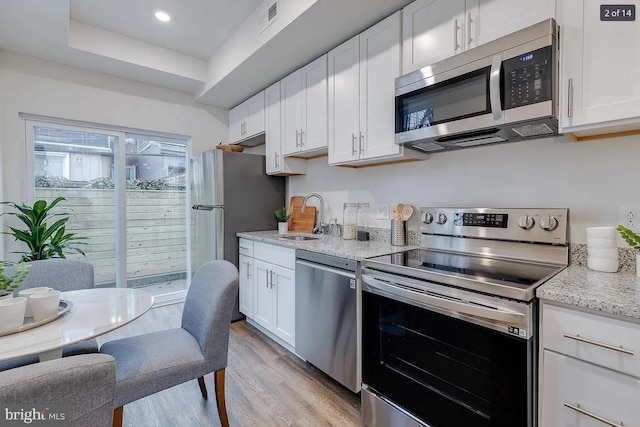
(442, 218)
(526, 222)
(427, 217)
(548, 223)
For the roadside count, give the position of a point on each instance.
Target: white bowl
(12, 312)
(611, 254)
(596, 243)
(44, 304)
(27, 293)
(601, 232)
(605, 265)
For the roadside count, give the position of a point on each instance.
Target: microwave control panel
(528, 78)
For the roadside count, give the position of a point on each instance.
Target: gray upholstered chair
(64, 275)
(84, 385)
(149, 363)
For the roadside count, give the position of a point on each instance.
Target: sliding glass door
(127, 194)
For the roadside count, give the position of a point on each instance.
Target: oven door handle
(388, 290)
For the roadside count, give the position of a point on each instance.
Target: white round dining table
(94, 312)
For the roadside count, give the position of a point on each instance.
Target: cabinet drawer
(611, 343)
(245, 247)
(592, 391)
(278, 255)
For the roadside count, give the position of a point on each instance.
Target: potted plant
(633, 240)
(282, 215)
(43, 239)
(9, 283)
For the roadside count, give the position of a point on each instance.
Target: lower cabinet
(267, 289)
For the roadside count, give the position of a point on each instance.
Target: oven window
(454, 99)
(443, 370)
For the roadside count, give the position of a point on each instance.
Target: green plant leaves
(630, 237)
(281, 214)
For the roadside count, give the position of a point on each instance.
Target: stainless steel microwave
(502, 91)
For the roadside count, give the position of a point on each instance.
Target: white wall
(590, 178)
(32, 86)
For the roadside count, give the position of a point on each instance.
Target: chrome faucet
(318, 228)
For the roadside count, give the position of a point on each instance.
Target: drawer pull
(599, 344)
(577, 408)
(243, 248)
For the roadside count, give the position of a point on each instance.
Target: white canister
(12, 312)
(27, 294)
(44, 305)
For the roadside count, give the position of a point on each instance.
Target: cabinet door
(379, 66)
(284, 303)
(247, 289)
(291, 112)
(587, 388)
(344, 103)
(600, 65)
(431, 30)
(273, 154)
(255, 115)
(314, 105)
(263, 301)
(236, 122)
(487, 20)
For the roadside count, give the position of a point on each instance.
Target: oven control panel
(515, 224)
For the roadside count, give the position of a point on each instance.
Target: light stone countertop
(336, 246)
(609, 293)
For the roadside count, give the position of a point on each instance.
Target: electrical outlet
(383, 212)
(629, 216)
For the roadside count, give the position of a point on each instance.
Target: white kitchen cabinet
(600, 70)
(276, 163)
(274, 297)
(246, 285)
(247, 119)
(433, 30)
(304, 110)
(362, 74)
(589, 367)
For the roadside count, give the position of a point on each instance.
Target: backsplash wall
(590, 178)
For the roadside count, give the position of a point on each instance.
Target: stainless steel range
(449, 330)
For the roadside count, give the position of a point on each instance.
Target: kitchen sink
(298, 237)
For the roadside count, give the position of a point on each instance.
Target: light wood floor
(265, 385)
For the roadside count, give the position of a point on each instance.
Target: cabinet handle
(242, 247)
(353, 144)
(276, 158)
(267, 271)
(301, 138)
(570, 99)
(241, 128)
(455, 35)
(272, 279)
(469, 21)
(361, 143)
(599, 344)
(247, 270)
(297, 136)
(578, 409)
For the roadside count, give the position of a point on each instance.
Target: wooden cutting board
(300, 222)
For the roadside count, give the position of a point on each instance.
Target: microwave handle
(494, 87)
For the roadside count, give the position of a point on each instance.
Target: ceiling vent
(267, 18)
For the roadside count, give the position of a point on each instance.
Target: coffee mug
(44, 304)
(27, 293)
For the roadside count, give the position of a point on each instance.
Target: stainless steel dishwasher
(326, 315)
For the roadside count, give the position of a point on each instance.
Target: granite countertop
(612, 293)
(336, 246)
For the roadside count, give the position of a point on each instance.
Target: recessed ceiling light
(162, 16)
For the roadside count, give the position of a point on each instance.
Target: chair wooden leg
(203, 387)
(117, 416)
(222, 409)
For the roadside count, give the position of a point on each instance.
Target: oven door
(466, 98)
(439, 365)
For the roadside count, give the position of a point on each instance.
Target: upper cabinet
(304, 110)
(600, 70)
(362, 74)
(433, 30)
(246, 121)
(276, 163)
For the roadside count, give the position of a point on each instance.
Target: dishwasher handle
(344, 273)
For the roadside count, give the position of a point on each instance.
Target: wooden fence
(156, 229)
